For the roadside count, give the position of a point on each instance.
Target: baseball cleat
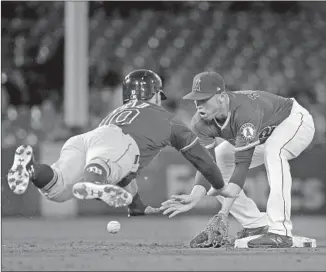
(112, 195)
(271, 240)
(22, 169)
(246, 232)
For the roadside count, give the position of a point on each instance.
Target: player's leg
(287, 141)
(244, 209)
(55, 181)
(68, 169)
(95, 185)
(111, 156)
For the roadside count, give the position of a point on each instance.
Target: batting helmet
(142, 84)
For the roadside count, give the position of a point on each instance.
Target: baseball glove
(215, 233)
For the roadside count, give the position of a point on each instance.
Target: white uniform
(108, 143)
(277, 135)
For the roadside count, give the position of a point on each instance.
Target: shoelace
(276, 238)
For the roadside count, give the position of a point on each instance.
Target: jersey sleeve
(182, 138)
(186, 141)
(247, 124)
(200, 158)
(204, 134)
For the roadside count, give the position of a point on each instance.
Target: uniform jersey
(252, 117)
(152, 127)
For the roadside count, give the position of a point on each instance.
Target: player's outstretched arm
(235, 185)
(137, 207)
(207, 171)
(183, 203)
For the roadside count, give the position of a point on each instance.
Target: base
(298, 241)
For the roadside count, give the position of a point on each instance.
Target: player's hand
(174, 207)
(183, 199)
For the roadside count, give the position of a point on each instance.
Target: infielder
(259, 127)
(92, 164)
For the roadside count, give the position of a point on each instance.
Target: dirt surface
(154, 243)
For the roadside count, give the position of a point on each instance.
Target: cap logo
(196, 87)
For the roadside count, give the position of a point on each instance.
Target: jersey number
(121, 117)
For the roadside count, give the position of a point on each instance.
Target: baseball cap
(205, 85)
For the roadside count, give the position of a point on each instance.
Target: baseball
(113, 227)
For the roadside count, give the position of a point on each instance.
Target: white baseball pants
(286, 142)
(108, 143)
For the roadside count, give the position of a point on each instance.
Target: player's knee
(224, 154)
(60, 198)
(273, 152)
(96, 170)
(270, 152)
(63, 196)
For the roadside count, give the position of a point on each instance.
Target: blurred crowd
(273, 46)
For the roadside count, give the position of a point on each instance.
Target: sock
(44, 176)
(96, 171)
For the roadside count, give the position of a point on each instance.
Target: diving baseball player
(259, 128)
(100, 163)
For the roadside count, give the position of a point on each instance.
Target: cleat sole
(112, 195)
(18, 175)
